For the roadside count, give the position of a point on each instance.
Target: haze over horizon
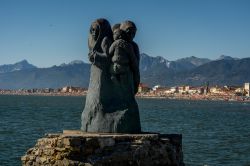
(48, 33)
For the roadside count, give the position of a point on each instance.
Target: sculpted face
(115, 30)
(117, 34)
(94, 31)
(130, 31)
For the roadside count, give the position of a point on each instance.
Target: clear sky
(51, 32)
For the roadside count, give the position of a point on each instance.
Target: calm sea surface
(214, 133)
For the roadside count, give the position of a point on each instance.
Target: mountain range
(154, 70)
(22, 65)
(195, 71)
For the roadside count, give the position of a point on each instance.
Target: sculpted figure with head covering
(98, 99)
(99, 41)
(110, 103)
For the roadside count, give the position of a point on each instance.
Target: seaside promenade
(150, 94)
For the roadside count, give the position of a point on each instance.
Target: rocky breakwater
(105, 149)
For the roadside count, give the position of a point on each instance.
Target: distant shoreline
(173, 97)
(192, 99)
(44, 94)
(199, 97)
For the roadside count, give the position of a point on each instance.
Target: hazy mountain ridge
(154, 70)
(221, 72)
(225, 57)
(196, 71)
(52, 77)
(22, 65)
(182, 64)
(191, 62)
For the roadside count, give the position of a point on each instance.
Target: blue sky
(51, 32)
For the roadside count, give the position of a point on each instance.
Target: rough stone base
(106, 149)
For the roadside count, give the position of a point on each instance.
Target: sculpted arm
(112, 49)
(91, 53)
(103, 56)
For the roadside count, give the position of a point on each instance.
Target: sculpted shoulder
(106, 43)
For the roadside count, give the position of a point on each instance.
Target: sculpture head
(116, 31)
(115, 27)
(119, 34)
(94, 30)
(129, 28)
(99, 29)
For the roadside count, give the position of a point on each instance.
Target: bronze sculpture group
(110, 103)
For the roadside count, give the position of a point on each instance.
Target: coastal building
(156, 87)
(171, 90)
(183, 89)
(34, 90)
(57, 90)
(48, 90)
(192, 90)
(174, 89)
(143, 88)
(65, 89)
(239, 91)
(230, 90)
(187, 88)
(201, 90)
(247, 89)
(159, 90)
(76, 89)
(71, 89)
(215, 90)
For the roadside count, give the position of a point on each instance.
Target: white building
(65, 89)
(174, 89)
(215, 90)
(239, 90)
(171, 90)
(156, 87)
(183, 89)
(247, 89)
(192, 90)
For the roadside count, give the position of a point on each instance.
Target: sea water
(215, 133)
